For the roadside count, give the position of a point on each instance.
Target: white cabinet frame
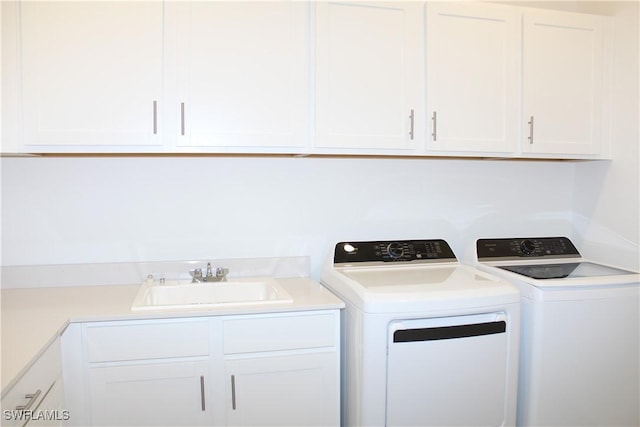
(205, 370)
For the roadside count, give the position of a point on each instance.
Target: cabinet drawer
(33, 386)
(254, 334)
(119, 341)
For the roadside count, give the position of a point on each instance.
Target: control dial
(527, 247)
(395, 250)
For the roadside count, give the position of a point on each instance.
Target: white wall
(607, 195)
(86, 210)
(112, 209)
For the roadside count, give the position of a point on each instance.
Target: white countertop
(34, 317)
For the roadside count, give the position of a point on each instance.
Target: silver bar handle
(233, 392)
(32, 399)
(434, 133)
(412, 119)
(155, 117)
(202, 399)
(530, 137)
(182, 118)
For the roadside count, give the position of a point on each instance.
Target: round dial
(527, 247)
(395, 250)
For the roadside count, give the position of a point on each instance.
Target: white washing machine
(580, 333)
(427, 341)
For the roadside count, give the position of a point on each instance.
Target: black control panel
(526, 247)
(393, 251)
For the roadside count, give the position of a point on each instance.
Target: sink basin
(153, 296)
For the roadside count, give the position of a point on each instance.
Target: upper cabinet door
(472, 77)
(242, 74)
(91, 74)
(562, 83)
(369, 62)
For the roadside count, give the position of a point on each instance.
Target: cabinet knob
(412, 119)
(32, 399)
(434, 134)
(182, 119)
(202, 399)
(155, 117)
(233, 392)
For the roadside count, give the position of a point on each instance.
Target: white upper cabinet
(472, 52)
(91, 75)
(369, 58)
(515, 81)
(563, 83)
(242, 74)
(298, 77)
(142, 76)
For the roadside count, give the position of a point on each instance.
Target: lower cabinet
(279, 369)
(150, 394)
(51, 411)
(282, 370)
(36, 398)
(300, 386)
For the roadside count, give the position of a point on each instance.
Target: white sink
(154, 296)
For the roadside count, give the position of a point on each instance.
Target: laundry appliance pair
(428, 341)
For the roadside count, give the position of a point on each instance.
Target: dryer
(580, 349)
(427, 341)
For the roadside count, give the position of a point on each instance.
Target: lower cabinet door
(51, 411)
(157, 394)
(296, 390)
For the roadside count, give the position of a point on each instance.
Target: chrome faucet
(219, 276)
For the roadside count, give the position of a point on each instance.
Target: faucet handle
(221, 273)
(196, 275)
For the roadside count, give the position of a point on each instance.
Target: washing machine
(580, 333)
(426, 341)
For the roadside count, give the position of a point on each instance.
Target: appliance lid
(564, 270)
(411, 276)
(414, 278)
(418, 287)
